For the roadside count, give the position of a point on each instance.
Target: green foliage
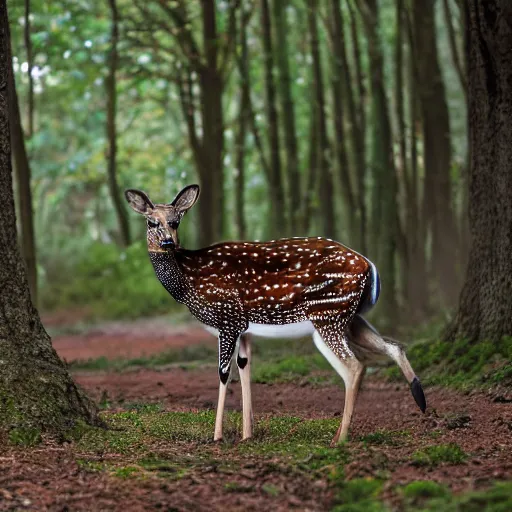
(287, 369)
(417, 492)
(194, 353)
(461, 364)
(385, 437)
(432, 497)
(359, 495)
(126, 472)
(25, 436)
(110, 283)
(438, 454)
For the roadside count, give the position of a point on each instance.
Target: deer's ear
(139, 201)
(186, 198)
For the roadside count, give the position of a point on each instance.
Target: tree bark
(36, 390)
(404, 188)
(416, 294)
(437, 199)
(242, 130)
(111, 92)
(340, 77)
(287, 112)
(324, 162)
(30, 62)
(310, 190)
(277, 217)
(24, 191)
(461, 72)
(384, 193)
(486, 298)
(357, 114)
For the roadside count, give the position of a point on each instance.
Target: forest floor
(156, 385)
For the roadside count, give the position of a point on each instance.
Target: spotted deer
(284, 288)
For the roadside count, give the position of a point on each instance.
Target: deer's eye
(174, 224)
(152, 223)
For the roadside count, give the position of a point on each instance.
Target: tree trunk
(30, 62)
(384, 196)
(324, 162)
(287, 113)
(277, 217)
(242, 130)
(357, 114)
(310, 190)
(111, 92)
(23, 177)
(486, 298)
(416, 295)
(36, 390)
(211, 171)
(340, 75)
(404, 188)
(437, 200)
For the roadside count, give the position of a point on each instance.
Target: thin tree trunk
(30, 63)
(340, 72)
(324, 163)
(403, 174)
(437, 205)
(384, 197)
(111, 93)
(211, 206)
(287, 112)
(486, 298)
(277, 218)
(310, 190)
(417, 291)
(23, 178)
(357, 115)
(461, 73)
(36, 389)
(242, 130)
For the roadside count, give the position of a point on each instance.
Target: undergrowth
(461, 364)
(109, 283)
(148, 443)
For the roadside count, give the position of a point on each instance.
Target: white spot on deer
(297, 265)
(276, 286)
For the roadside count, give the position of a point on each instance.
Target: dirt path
(119, 340)
(50, 477)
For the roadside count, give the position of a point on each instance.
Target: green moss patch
(435, 455)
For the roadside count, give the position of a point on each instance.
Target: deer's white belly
(296, 330)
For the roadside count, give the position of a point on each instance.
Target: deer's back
(282, 281)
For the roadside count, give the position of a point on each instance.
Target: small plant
(126, 472)
(359, 495)
(417, 492)
(384, 437)
(25, 436)
(271, 490)
(144, 408)
(435, 455)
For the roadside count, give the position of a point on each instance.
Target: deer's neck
(170, 274)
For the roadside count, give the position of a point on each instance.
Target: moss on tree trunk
(36, 390)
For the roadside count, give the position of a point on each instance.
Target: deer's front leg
(227, 344)
(243, 362)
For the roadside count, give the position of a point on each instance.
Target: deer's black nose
(168, 243)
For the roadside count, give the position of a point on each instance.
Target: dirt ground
(50, 478)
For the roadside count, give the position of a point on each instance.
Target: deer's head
(163, 220)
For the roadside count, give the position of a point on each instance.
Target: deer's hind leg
(331, 342)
